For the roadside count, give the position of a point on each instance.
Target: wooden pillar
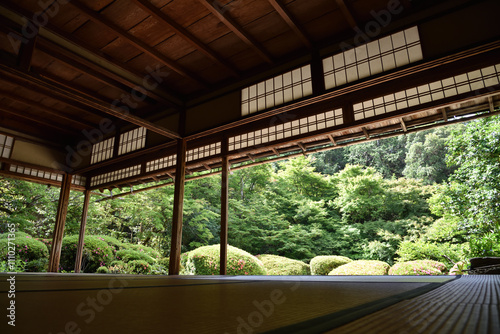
(224, 208)
(176, 242)
(81, 237)
(62, 210)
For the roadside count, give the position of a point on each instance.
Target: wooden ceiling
(64, 64)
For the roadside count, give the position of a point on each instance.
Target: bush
(118, 267)
(441, 252)
(143, 249)
(96, 253)
(322, 265)
(205, 261)
(102, 270)
(27, 249)
(127, 255)
(115, 243)
(362, 267)
(37, 266)
(418, 267)
(279, 265)
(139, 267)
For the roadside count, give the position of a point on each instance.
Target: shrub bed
(127, 255)
(362, 267)
(279, 265)
(205, 261)
(418, 267)
(143, 249)
(323, 265)
(96, 253)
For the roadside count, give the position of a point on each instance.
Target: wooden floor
(85, 303)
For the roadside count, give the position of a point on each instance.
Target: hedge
(323, 264)
(205, 261)
(279, 265)
(96, 253)
(362, 267)
(127, 255)
(418, 267)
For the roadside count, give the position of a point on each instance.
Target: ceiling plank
(157, 92)
(347, 13)
(97, 18)
(37, 120)
(224, 17)
(117, 112)
(292, 22)
(185, 34)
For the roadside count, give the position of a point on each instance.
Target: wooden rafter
(184, 33)
(365, 132)
(347, 13)
(403, 124)
(31, 78)
(36, 120)
(158, 93)
(291, 21)
(224, 17)
(26, 53)
(136, 42)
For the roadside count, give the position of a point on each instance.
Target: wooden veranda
(110, 94)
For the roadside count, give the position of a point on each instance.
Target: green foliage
(27, 248)
(39, 265)
(206, 261)
(362, 267)
(102, 270)
(127, 255)
(96, 253)
(139, 267)
(442, 252)
(279, 265)
(324, 264)
(419, 267)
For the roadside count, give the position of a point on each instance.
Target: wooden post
(224, 208)
(176, 242)
(81, 237)
(62, 210)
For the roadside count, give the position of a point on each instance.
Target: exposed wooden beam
(176, 241)
(347, 13)
(81, 236)
(291, 21)
(207, 167)
(275, 151)
(32, 78)
(445, 114)
(303, 148)
(403, 124)
(334, 142)
(136, 42)
(185, 34)
(156, 91)
(224, 17)
(47, 110)
(26, 53)
(62, 210)
(37, 120)
(491, 104)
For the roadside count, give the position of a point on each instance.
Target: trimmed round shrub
(96, 253)
(127, 255)
(143, 249)
(279, 265)
(102, 270)
(362, 267)
(205, 261)
(324, 264)
(27, 249)
(418, 267)
(139, 267)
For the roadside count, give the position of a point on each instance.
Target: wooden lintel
(292, 23)
(365, 132)
(185, 34)
(237, 30)
(81, 237)
(62, 210)
(176, 241)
